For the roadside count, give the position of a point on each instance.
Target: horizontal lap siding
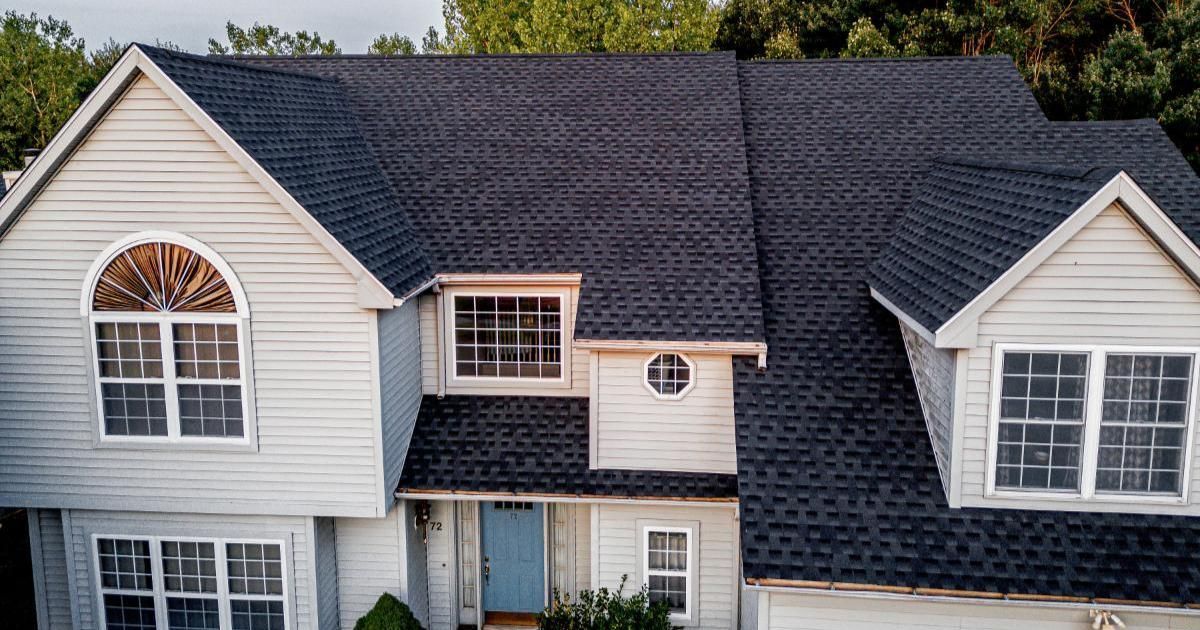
(290, 529)
(369, 557)
(148, 167)
(789, 611)
(638, 431)
(717, 554)
(1110, 284)
(440, 566)
(933, 373)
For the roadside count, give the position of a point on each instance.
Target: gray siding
(635, 430)
(1109, 284)
(290, 529)
(147, 166)
(54, 589)
(327, 574)
(933, 373)
(794, 611)
(400, 386)
(416, 575)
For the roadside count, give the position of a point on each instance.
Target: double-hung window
(517, 336)
(1092, 421)
(157, 583)
(669, 568)
(167, 335)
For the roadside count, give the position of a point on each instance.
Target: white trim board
(132, 64)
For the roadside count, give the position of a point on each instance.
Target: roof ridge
(226, 60)
(532, 55)
(1052, 170)
(849, 60)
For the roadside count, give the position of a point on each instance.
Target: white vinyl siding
(1109, 285)
(636, 430)
(440, 567)
(147, 166)
(369, 557)
(795, 611)
(716, 553)
(292, 531)
(400, 386)
(431, 363)
(933, 373)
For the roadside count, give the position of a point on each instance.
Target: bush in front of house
(388, 613)
(605, 610)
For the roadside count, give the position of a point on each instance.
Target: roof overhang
(133, 64)
(961, 329)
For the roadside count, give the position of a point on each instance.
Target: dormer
(1049, 318)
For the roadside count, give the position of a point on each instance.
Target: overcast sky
(189, 23)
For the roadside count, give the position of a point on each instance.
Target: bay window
(1091, 421)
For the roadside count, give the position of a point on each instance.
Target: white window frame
(683, 392)
(563, 380)
(240, 318)
(1093, 404)
(160, 594)
(689, 610)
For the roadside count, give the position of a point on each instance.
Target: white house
(790, 345)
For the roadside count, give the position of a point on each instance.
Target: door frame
(547, 564)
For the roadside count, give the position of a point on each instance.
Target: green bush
(388, 613)
(605, 610)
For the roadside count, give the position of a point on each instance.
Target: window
(1092, 421)
(669, 376)
(168, 346)
(507, 336)
(186, 584)
(667, 570)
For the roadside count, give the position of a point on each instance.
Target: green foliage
(1126, 79)
(392, 45)
(865, 40)
(388, 613)
(267, 39)
(605, 610)
(556, 26)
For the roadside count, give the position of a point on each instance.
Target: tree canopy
(267, 39)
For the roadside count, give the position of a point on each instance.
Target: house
(814, 344)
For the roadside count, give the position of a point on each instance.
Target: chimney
(10, 177)
(29, 155)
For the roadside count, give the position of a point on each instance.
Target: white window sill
(1098, 499)
(239, 445)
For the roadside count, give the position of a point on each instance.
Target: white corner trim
(960, 330)
(902, 316)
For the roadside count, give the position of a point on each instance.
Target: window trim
(683, 392)
(1091, 424)
(688, 615)
(451, 366)
(157, 581)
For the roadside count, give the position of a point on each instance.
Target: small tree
(388, 613)
(605, 610)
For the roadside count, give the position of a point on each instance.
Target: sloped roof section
(627, 169)
(837, 480)
(303, 132)
(970, 221)
(530, 445)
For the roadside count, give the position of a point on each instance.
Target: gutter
(909, 593)
(539, 497)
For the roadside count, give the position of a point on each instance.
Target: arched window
(167, 332)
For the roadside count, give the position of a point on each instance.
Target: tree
(46, 74)
(267, 39)
(392, 45)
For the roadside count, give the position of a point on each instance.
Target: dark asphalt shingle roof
(302, 130)
(971, 220)
(629, 169)
(529, 445)
(837, 479)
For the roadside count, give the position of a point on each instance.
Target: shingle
(529, 445)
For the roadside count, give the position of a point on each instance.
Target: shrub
(605, 610)
(388, 613)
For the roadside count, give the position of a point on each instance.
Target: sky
(189, 23)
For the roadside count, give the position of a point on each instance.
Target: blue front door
(513, 556)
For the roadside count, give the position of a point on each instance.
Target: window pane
(129, 612)
(189, 567)
(254, 569)
(211, 410)
(128, 350)
(193, 614)
(134, 409)
(1143, 421)
(507, 337)
(256, 614)
(668, 374)
(671, 589)
(206, 351)
(1042, 401)
(124, 564)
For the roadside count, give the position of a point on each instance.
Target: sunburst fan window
(168, 339)
(165, 278)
